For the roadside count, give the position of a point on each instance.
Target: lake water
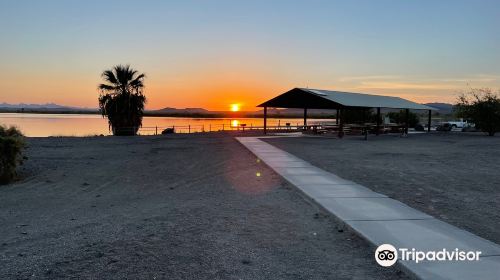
(41, 125)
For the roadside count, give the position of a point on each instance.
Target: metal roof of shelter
(329, 99)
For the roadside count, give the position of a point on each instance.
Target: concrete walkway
(380, 219)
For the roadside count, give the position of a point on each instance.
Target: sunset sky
(215, 53)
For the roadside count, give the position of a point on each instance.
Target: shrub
(481, 107)
(11, 147)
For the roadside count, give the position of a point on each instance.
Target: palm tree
(122, 100)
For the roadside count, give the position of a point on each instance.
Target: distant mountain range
(43, 108)
(169, 110)
(443, 108)
(35, 106)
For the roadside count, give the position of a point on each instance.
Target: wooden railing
(156, 130)
(313, 128)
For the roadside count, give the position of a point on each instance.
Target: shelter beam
(429, 121)
(378, 122)
(341, 124)
(265, 120)
(407, 120)
(305, 118)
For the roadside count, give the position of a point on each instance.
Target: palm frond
(106, 87)
(131, 74)
(137, 83)
(109, 76)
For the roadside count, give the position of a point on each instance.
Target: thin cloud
(474, 79)
(470, 78)
(418, 83)
(400, 85)
(365, 78)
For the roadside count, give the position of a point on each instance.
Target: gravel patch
(176, 207)
(454, 177)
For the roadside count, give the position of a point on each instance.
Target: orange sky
(211, 90)
(244, 77)
(216, 89)
(211, 54)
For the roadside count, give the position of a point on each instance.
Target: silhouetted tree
(122, 99)
(481, 107)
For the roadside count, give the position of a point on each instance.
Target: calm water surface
(40, 125)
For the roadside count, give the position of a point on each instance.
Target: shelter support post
(341, 124)
(337, 117)
(365, 127)
(378, 122)
(429, 121)
(305, 118)
(265, 120)
(407, 120)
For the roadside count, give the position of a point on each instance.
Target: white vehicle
(460, 124)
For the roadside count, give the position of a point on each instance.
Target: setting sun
(235, 107)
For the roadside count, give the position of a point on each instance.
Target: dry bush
(11, 148)
(482, 107)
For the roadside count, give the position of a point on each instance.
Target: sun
(235, 107)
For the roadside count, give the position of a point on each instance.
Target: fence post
(189, 128)
(222, 127)
(210, 128)
(156, 131)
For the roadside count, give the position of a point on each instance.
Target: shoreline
(226, 115)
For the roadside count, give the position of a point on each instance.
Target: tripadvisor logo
(387, 255)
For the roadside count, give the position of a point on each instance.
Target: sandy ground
(176, 207)
(454, 177)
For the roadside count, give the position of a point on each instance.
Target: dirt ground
(176, 207)
(454, 177)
